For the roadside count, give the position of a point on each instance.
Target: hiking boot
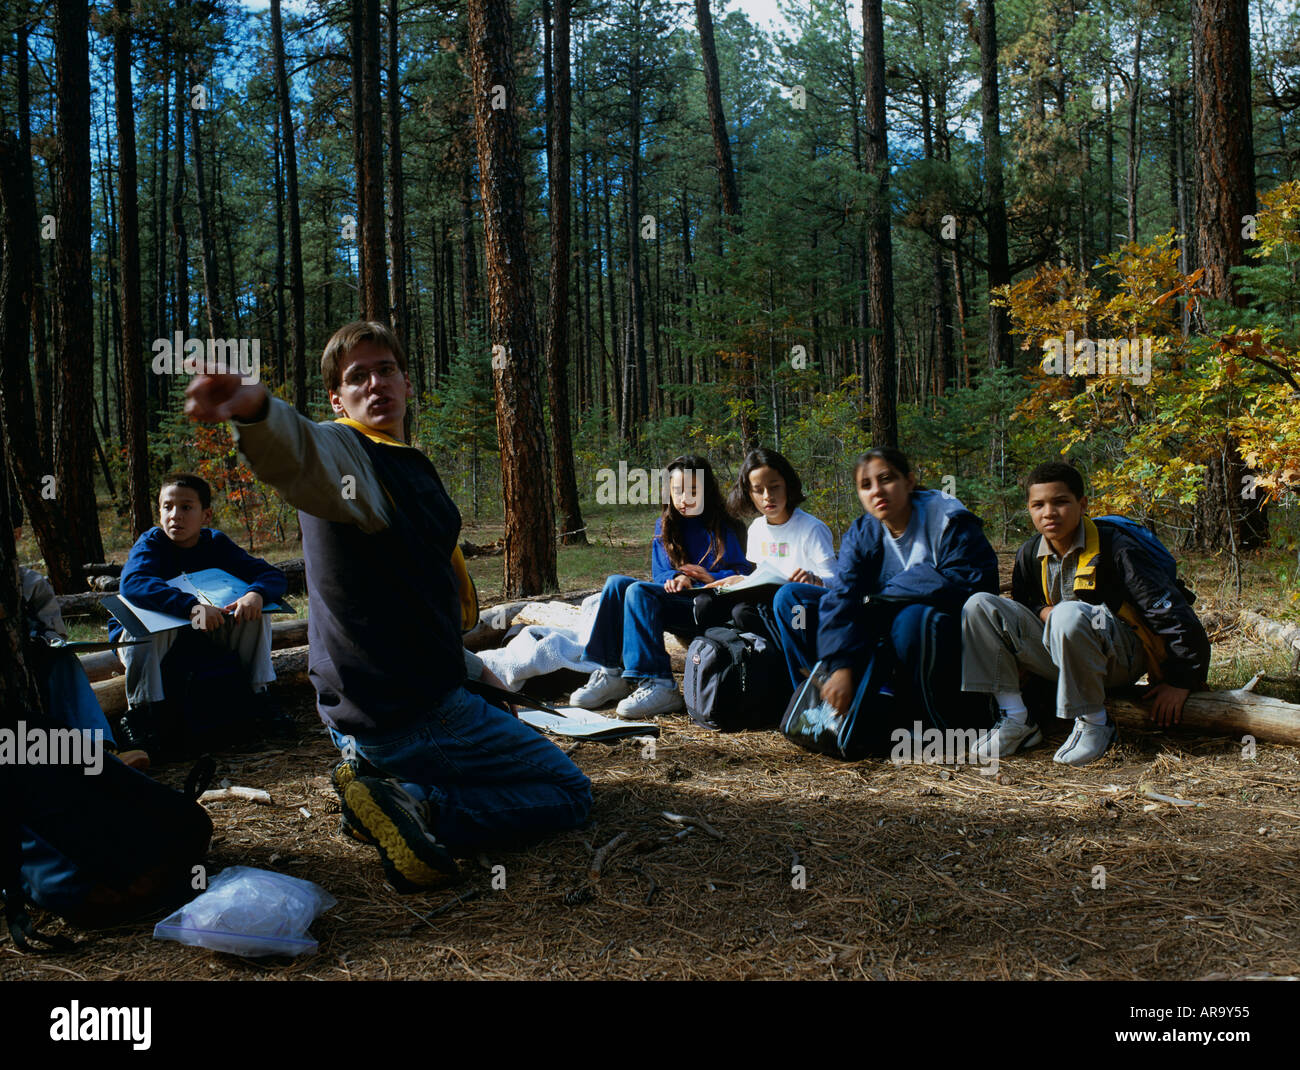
(343, 774)
(1005, 738)
(651, 698)
(137, 729)
(414, 860)
(603, 687)
(1087, 743)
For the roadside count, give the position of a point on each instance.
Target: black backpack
(736, 677)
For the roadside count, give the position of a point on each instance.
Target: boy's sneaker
(1087, 743)
(1005, 738)
(603, 687)
(651, 698)
(341, 776)
(414, 860)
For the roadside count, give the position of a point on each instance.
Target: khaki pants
(1084, 648)
(250, 639)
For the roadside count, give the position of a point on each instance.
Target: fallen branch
(598, 859)
(654, 887)
(702, 825)
(1150, 793)
(256, 795)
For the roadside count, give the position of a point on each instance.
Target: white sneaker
(1005, 738)
(603, 687)
(651, 698)
(1087, 743)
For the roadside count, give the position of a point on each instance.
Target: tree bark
(717, 120)
(525, 466)
(882, 360)
(397, 202)
(44, 386)
(135, 409)
(17, 403)
(999, 271)
(297, 295)
(1225, 152)
(207, 240)
(1134, 149)
(366, 98)
(73, 326)
(1225, 195)
(19, 694)
(559, 93)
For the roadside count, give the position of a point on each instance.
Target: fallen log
(1224, 713)
(290, 671)
(82, 605)
(104, 664)
(1276, 633)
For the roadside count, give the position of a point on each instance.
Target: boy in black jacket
(1090, 609)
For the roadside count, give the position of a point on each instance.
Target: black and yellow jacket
(1117, 571)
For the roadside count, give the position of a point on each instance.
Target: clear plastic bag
(249, 911)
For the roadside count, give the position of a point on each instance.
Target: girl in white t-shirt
(783, 536)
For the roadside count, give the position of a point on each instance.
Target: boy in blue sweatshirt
(183, 542)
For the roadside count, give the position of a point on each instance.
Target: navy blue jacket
(697, 538)
(155, 559)
(964, 565)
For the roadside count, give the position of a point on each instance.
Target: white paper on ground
(586, 724)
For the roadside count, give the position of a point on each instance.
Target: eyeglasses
(361, 376)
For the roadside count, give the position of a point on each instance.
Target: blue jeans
(630, 625)
(798, 630)
(67, 693)
(495, 781)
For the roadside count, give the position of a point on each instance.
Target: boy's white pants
(250, 640)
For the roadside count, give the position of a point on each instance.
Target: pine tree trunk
(1225, 188)
(525, 466)
(396, 200)
(717, 120)
(882, 360)
(161, 327)
(370, 176)
(1225, 153)
(18, 425)
(73, 326)
(44, 385)
(1000, 351)
(207, 241)
(470, 316)
(135, 409)
(635, 386)
(19, 694)
(1134, 153)
(557, 334)
(297, 294)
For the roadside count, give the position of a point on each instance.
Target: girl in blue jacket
(905, 569)
(695, 542)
